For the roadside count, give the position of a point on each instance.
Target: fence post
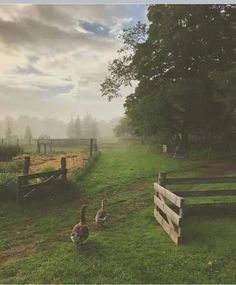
(50, 145)
(162, 178)
(91, 148)
(38, 146)
(24, 181)
(45, 148)
(63, 168)
(95, 145)
(19, 184)
(26, 165)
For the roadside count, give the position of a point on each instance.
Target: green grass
(35, 242)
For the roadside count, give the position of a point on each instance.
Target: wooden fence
(166, 216)
(49, 144)
(25, 189)
(169, 219)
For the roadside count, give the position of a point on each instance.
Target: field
(75, 157)
(35, 244)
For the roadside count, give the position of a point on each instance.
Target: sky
(53, 58)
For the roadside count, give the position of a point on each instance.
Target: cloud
(54, 57)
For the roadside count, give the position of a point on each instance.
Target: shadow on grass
(210, 210)
(51, 195)
(89, 248)
(208, 224)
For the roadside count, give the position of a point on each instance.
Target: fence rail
(164, 214)
(204, 180)
(171, 221)
(25, 189)
(48, 144)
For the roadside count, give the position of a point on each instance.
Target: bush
(7, 152)
(8, 186)
(12, 166)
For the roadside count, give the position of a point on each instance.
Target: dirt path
(72, 161)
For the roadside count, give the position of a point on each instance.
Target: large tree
(124, 129)
(176, 62)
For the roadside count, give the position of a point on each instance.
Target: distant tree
(94, 129)
(74, 129)
(70, 129)
(28, 135)
(90, 127)
(8, 131)
(124, 128)
(77, 128)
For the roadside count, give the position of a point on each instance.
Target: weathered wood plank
(171, 232)
(171, 224)
(196, 193)
(167, 210)
(168, 195)
(201, 180)
(40, 174)
(40, 184)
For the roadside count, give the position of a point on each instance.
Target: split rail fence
(169, 205)
(26, 189)
(47, 145)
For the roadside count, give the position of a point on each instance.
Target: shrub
(12, 166)
(7, 152)
(8, 186)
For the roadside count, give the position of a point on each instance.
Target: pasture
(35, 244)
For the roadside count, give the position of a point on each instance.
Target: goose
(80, 231)
(101, 215)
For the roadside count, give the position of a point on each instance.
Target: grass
(35, 242)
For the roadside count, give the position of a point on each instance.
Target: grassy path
(35, 245)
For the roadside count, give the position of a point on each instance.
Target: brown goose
(101, 215)
(80, 231)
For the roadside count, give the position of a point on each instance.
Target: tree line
(184, 64)
(25, 129)
(83, 128)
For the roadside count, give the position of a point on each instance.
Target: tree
(28, 135)
(124, 129)
(8, 130)
(70, 129)
(176, 63)
(89, 127)
(94, 129)
(77, 128)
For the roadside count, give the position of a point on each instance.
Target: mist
(51, 127)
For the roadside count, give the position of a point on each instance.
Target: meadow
(35, 244)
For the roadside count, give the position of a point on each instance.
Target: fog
(54, 128)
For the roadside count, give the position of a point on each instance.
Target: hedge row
(7, 152)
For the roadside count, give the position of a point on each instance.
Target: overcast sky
(54, 57)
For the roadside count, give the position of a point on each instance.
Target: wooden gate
(166, 215)
(26, 189)
(166, 203)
